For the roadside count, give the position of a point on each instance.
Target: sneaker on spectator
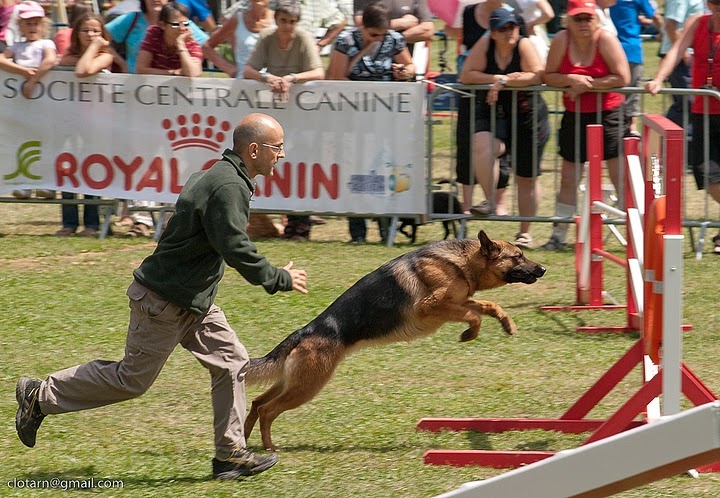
(554, 244)
(524, 240)
(242, 462)
(485, 208)
(22, 194)
(29, 416)
(45, 194)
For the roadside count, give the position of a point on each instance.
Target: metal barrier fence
(699, 209)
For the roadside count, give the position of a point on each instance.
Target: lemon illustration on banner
(399, 180)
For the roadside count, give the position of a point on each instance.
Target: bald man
(171, 303)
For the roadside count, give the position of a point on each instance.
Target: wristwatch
(502, 80)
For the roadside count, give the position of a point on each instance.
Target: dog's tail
(269, 368)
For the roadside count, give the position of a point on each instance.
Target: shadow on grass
(338, 448)
(481, 441)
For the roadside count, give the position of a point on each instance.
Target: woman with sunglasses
(506, 59)
(128, 30)
(701, 33)
(168, 47)
(585, 57)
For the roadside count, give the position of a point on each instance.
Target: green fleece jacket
(207, 230)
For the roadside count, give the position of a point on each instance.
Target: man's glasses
(579, 19)
(176, 25)
(277, 148)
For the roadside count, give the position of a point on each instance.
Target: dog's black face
(508, 261)
(526, 273)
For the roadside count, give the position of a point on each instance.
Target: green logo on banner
(27, 154)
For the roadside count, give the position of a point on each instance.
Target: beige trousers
(156, 327)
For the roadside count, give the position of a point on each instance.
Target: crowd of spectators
(503, 44)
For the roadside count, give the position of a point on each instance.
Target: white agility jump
(663, 449)
(654, 264)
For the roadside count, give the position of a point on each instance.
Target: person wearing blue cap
(507, 59)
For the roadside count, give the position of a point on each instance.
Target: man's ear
(253, 148)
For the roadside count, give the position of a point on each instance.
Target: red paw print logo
(192, 131)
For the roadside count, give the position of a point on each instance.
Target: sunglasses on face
(579, 19)
(508, 27)
(176, 25)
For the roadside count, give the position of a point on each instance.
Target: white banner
(350, 147)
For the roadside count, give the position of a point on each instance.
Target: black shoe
(242, 462)
(28, 417)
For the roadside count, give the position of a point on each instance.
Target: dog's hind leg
(307, 369)
(252, 415)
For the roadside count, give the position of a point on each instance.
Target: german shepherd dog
(408, 297)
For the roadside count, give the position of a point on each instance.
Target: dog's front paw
(469, 334)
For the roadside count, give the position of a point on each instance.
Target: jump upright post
(663, 144)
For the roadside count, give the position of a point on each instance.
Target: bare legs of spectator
(566, 200)
(467, 195)
(528, 193)
(486, 150)
(500, 201)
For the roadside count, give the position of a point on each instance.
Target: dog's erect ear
(489, 248)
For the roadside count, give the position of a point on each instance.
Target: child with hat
(30, 58)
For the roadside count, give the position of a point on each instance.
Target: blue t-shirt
(624, 15)
(119, 29)
(198, 9)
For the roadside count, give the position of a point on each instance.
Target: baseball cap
(501, 17)
(576, 7)
(29, 9)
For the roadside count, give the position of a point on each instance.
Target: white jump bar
(667, 447)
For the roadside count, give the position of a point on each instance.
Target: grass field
(66, 305)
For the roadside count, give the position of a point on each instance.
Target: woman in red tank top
(702, 33)
(582, 58)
